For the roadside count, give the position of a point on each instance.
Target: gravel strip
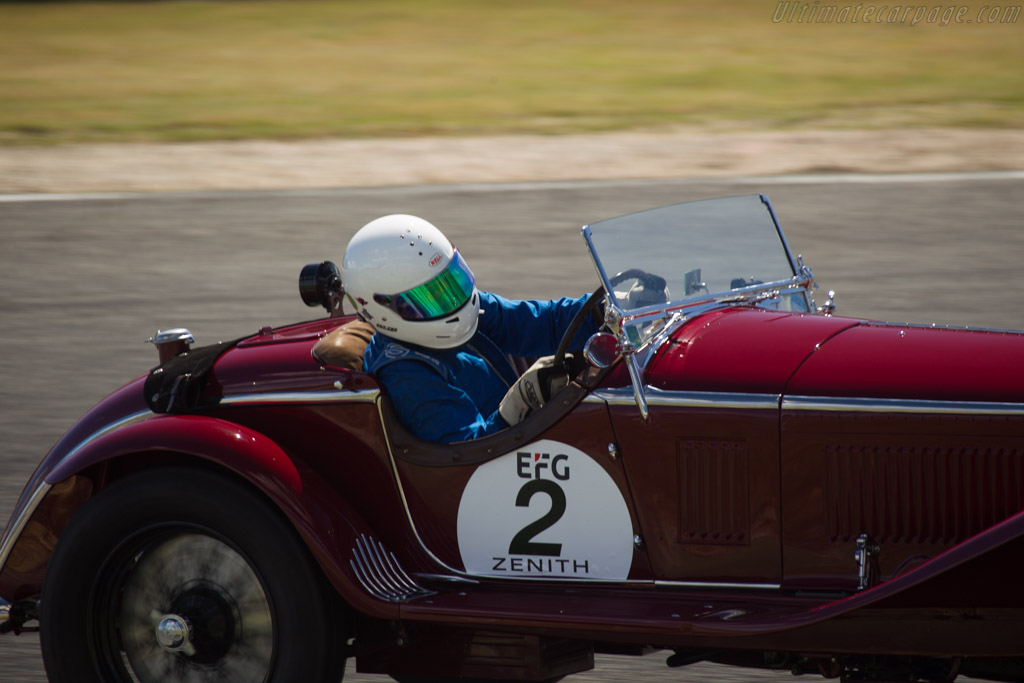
(414, 161)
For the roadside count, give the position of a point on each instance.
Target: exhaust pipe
(14, 617)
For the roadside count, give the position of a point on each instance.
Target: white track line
(794, 179)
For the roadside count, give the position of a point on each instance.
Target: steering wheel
(574, 325)
(647, 280)
(648, 290)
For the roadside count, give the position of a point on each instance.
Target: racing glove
(533, 389)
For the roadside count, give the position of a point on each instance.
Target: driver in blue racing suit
(439, 347)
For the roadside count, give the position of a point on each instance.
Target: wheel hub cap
(192, 609)
(172, 632)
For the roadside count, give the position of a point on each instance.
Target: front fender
(330, 527)
(240, 449)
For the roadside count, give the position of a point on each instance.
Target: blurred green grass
(285, 69)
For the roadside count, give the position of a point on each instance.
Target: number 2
(523, 543)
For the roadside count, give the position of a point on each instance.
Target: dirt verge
(354, 163)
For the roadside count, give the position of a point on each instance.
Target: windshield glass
(664, 266)
(699, 248)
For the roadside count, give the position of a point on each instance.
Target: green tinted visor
(436, 298)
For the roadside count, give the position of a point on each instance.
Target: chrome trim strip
(900, 405)
(709, 399)
(715, 584)
(405, 501)
(18, 524)
(339, 396)
(688, 399)
(103, 431)
(446, 577)
(942, 326)
(13, 531)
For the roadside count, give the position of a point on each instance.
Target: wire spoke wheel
(182, 575)
(192, 609)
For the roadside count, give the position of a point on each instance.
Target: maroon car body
(783, 488)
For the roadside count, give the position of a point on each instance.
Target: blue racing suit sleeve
(434, 409)
(532, 328)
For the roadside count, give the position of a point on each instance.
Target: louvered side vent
(901, 494)
(380, 574)
(713, 500)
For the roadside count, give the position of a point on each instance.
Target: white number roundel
(545, 510)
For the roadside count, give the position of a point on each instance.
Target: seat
(406, 446)
(344, 347)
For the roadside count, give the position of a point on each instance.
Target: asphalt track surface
(85, 281)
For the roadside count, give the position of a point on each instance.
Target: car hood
(279, 361)
(878, 360)
(746, 350)
(760, 351)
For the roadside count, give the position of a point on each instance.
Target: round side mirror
(602, 349)
(320, 284)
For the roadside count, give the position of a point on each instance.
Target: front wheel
(178, 575)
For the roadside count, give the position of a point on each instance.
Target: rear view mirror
(320, 284)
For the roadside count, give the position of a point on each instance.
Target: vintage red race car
(734, 474)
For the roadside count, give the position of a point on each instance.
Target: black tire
(184, 551)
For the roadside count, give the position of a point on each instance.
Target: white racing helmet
(407, 280)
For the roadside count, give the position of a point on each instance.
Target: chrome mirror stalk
(638, 387)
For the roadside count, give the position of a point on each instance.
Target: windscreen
(697, 248)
